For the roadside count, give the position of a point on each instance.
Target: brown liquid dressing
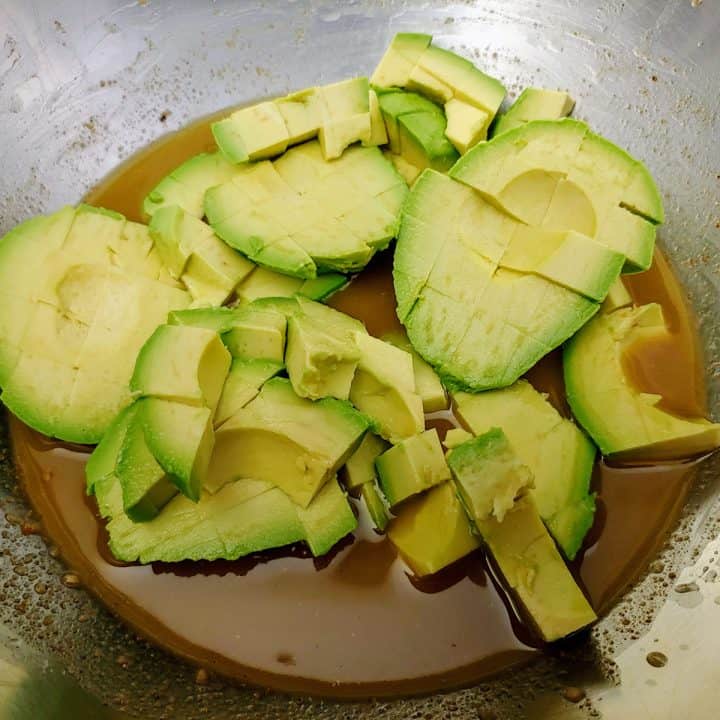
(353, 623)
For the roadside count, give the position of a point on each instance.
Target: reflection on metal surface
(83, 85)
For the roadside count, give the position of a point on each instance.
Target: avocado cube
(378, 134)
(467, 125)
(399, 59)
(375, 504)
(265, 283)
(303, 114)
(455, 437)
(414, 532)
(360, 466)
(412, 466)
(217, 319)
(534, 104)
(259, 335)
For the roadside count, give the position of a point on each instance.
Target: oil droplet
(40, 588)
(123, 661)
(202, 677)
(71, 580)
(686, 588)
(657, 659)
(285, 658)
(573, 694)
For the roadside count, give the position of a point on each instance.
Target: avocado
(456, 436)
(407, 171)
(242, 517)
(427, 383)
(625, 422)
(480, 325)
(486, 473)
(412, 62)
(323, 286)
(378, 134)
(184, 363)
(414, 532)
(185, 186)
(559, 455)
(242, 384)
(257, 334)
(375, 504)
(180, 437)
(577, 181)
(489, 475)
(617, 297)
(217, 319)
(338, 114)
(302, 215)
(319, 364)
(534, 104)
(360, 466)
(195, 255)
(384, 388)
(78, 305)
(146, 487)
(266, 283)
(467, 125)
(416, 130)
(281, 438)
(411, 466)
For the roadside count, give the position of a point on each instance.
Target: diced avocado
(146, 487)
(252, 133)
(412, 466)
(399, 59)
(78, 304)
(301, 214)
(379, 513)
(360, 466)
(559, 454)
(378, 134)
(346, 116)
(414, 532)
(323, 286)
(181, 439)
(318, 363)
(185, 186)
(327, 519)
(481, 325)
(384, 388)
(219, 320)
(243, 383)
(303, 114)
(427, 383)
(486, 473)
(295, 443)
(455, 437)
(266, 283)
(416, 130)
(407, 170)
(534, 104)
(193, 253)
(184, 363)
(103, 458)
(467, 125)
(617, 297)
(489, 475)
(257, 335)
(576, 180)
(620, 418)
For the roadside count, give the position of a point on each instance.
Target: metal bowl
(84, 85)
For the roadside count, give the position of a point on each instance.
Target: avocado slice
(534, 104)
(384, 388)
(399, 59)
(146, 487)
(625, 422)
(378, 134)
(414, 532)
(412, 466)
(557, 452)
(217, 319)
(180, 437)
(257, 334)
(319, 364)
(281, 438)
(185, 186)
(487, 473)
(242, 384)
(266, 283)
(302, 215)
(467, 125)
(79, 302)
(360, 466)
(376, 506)
(427, 383)
(184, 363)
(323, 286)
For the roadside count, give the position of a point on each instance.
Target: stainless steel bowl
(84, 85)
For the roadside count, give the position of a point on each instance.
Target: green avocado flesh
(301, 214)
(504, 260)
(83, 289)
(492, 483)
(534, 104)
(559, 455)
(623, 421)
